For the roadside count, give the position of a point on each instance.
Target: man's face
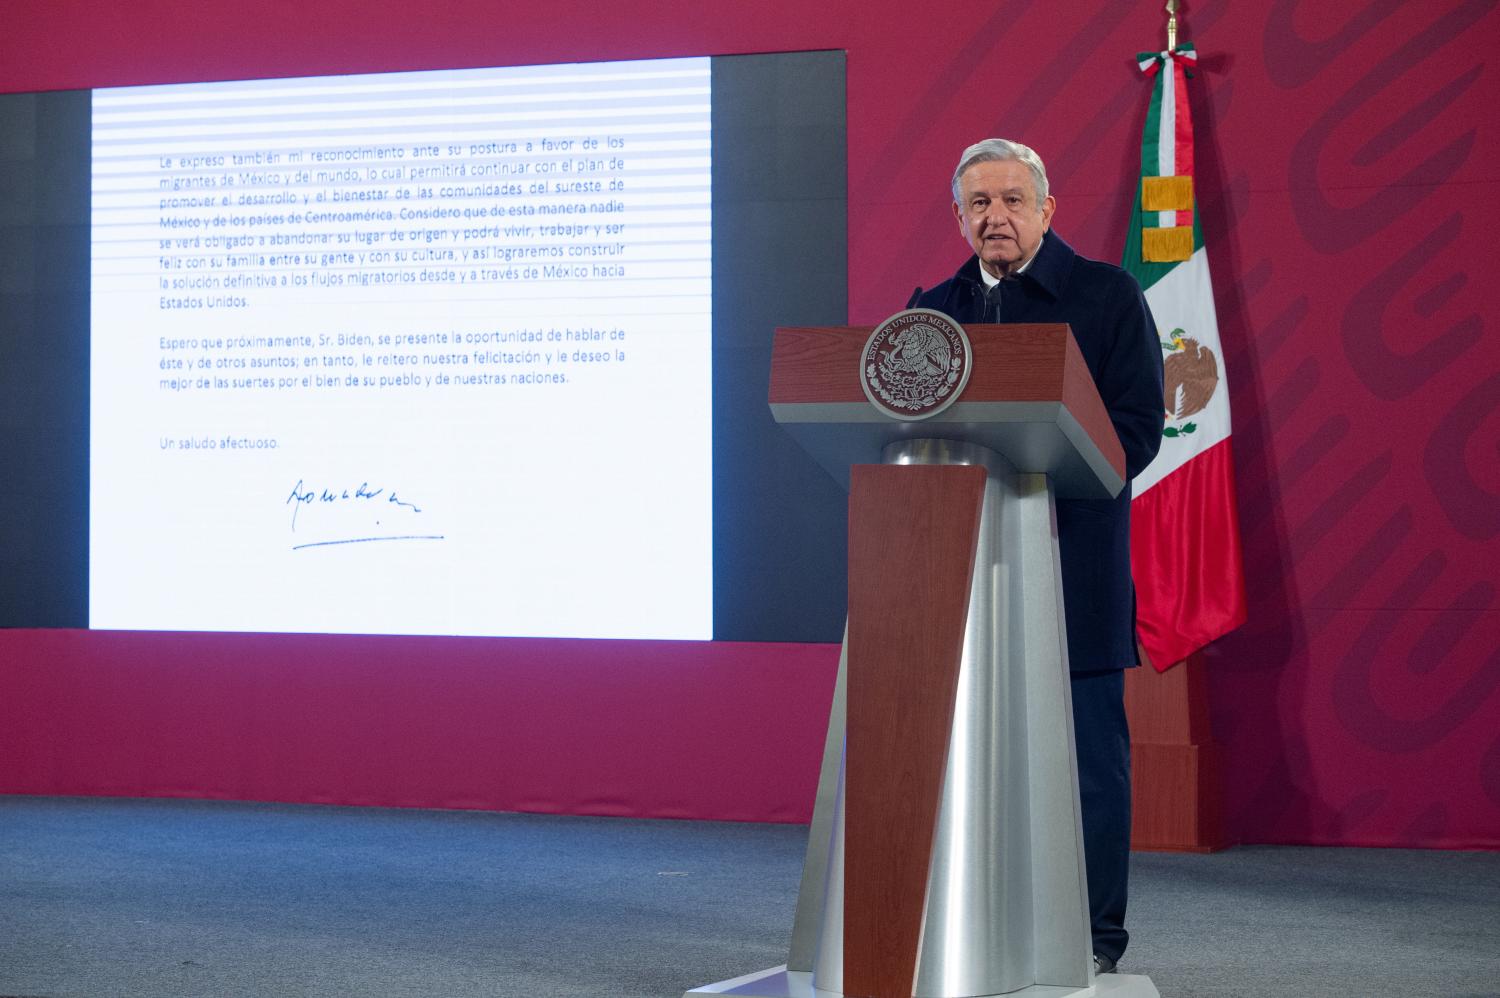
(999, 215)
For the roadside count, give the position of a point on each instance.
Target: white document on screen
(421, 353)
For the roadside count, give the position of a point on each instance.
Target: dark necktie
(992, 303)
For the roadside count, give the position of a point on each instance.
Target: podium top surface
(1030, 398)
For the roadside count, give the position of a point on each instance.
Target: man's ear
(1048, 207)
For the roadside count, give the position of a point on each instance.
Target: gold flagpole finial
(1171, 25)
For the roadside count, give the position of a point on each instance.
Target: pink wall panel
(1347, 168)
(660, 729)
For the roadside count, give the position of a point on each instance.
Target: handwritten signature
(362, 494)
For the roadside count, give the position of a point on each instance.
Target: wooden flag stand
(1177, 788)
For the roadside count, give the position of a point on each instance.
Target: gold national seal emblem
(915, 364)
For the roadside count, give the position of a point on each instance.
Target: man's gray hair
(991, 150)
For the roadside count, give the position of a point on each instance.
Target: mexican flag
(1185, 535)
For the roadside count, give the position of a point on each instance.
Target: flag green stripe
(1151, 135)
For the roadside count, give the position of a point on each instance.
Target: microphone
(912, 301)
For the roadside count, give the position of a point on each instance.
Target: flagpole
(1171, 25)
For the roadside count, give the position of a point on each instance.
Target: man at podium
(1022, 271)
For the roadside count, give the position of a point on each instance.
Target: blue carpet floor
(105, 897)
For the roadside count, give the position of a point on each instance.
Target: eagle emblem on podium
(915, 364)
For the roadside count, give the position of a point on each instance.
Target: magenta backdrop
(660, 728)
(1347, 170)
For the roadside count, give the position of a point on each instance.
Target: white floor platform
(778, 982)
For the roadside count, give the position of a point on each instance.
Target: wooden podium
(945, 854)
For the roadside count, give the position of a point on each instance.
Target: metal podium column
(977, 929)
(1006, 908)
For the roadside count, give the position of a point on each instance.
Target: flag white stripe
(1184, 299)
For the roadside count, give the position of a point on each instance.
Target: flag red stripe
(1183, 140)
(1185, 556)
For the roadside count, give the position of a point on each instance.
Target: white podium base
(778, 982)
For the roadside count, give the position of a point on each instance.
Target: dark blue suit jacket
(1119, 341)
